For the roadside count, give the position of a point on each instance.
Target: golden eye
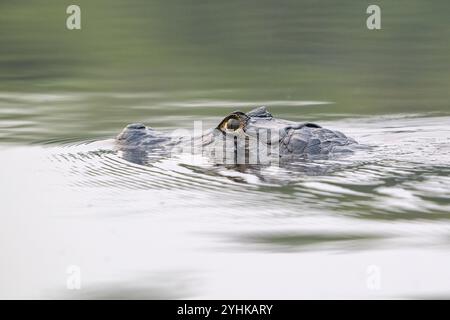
(233, 124)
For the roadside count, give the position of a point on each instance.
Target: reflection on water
(159, 286)
(304, 241)
(152, 226)
(118, 218)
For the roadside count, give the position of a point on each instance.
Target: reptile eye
(233, 124)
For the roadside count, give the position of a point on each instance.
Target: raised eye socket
(233, 124)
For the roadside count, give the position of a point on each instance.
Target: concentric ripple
(163, 211)
(403, 176)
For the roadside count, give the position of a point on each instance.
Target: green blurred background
(158, 54)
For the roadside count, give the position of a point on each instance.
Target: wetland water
(375, 224)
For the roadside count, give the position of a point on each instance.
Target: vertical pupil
(233, 124)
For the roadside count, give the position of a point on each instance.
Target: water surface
(178, 228)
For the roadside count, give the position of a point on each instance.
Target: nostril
(233, 124)
(136, 126)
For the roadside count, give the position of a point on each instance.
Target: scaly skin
(240, 129)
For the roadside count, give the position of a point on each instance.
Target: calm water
(375, 224)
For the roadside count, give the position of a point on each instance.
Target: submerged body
(246, 135)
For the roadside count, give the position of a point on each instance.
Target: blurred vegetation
(240, 50)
